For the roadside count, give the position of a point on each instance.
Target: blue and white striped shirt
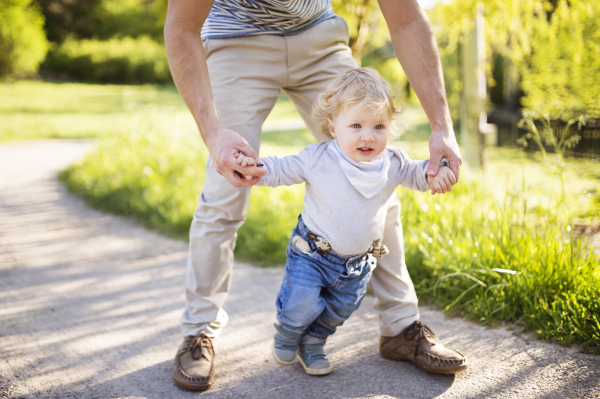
(230, 18)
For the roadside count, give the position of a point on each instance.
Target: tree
(23, 44)
(365, 24)
(554, 46)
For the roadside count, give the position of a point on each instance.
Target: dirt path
(89, 308)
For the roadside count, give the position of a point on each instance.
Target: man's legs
(246, 75)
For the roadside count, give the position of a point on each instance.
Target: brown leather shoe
(193, 367)
(418, 344)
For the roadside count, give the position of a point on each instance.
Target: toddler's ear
(331, 127)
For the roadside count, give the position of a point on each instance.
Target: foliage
(552, 44)
(125, 60)
(67, 17)
(23, 44)
(496, 260)
(547, 137)
(561, 75)
(366, 25)
(132, 18)
(487, 258)
(103, 19)
(155, 172)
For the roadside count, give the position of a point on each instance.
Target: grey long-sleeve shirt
(333, 208)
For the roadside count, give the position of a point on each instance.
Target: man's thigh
(246, 75)
(317, 56)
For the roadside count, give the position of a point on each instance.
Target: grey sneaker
(312, 357)
(285, 346)
(193, 366)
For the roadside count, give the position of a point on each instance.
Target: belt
(377, 249)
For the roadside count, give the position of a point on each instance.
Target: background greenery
(117, 60)
(499, 247)
(23, 44)
(541, 54)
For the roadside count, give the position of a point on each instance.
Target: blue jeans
(320, 289)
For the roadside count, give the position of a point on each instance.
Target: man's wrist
(210, 136)
(445, 132)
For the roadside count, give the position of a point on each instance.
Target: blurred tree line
(117, 41)
(103, 19)
(541, 54)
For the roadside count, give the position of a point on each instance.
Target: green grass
(496, 249)
(39, 110)
(489, 250)
(33, 110)
(495, 260)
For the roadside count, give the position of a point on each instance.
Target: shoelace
(196, 344)
(419, 331)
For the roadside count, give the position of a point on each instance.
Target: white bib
(367, 177)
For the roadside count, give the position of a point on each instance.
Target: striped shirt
(230, 18)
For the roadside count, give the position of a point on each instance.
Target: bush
(551, 46)
(23, 44)
(155, 172)
(125, 60)
(67, 17)
(103, 19)
(133, 18)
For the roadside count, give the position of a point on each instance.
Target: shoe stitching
(419, 331)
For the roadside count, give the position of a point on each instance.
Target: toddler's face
(360, 133)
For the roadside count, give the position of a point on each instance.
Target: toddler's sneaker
(285, 346)
(312, 357)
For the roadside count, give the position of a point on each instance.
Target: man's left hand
(442, 144)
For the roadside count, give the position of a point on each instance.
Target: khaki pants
(246, 76)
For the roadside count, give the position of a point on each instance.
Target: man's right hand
(222, 149)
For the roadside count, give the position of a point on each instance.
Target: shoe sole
(437, 370)
(186, 385)
(278, 360)
(314, 371)
(191, 387)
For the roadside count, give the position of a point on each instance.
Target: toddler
(335, 245)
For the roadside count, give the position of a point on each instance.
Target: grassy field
(35, 110)
(500, 247)
(490, 257)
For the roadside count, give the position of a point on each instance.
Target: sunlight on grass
(32, 110)
(498, 247)
(488, 250)
(36, 110)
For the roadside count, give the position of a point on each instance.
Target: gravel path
(89, 308)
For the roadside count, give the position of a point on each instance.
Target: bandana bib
(367, 177)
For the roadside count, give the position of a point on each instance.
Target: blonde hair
(364, 86)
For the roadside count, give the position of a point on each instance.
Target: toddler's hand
(442, 182)
(244, 161)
